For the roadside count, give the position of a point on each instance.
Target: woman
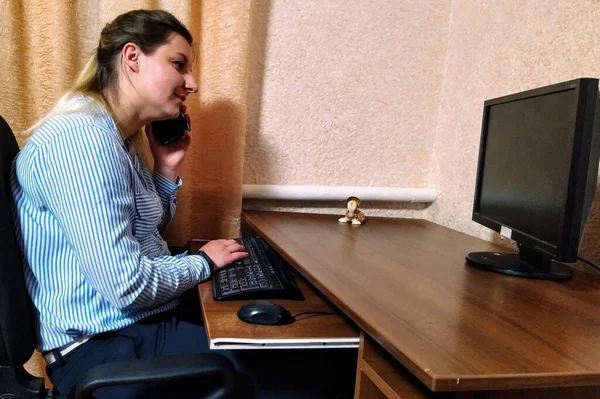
(90, 212)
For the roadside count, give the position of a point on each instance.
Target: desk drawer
(380, 376)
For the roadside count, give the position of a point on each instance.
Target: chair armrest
(165, 369)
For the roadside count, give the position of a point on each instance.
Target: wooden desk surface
(406, 283)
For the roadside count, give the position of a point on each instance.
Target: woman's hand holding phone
(167, 158)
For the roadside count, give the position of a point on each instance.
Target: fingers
(226, 242)
(149, 135)
(238, 248)
(186, 139)
(228, 258)
(234, 249)
(224, 252)
(235, 256)
(233, 246)
(186, 116)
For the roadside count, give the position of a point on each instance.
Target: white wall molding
(337, 193)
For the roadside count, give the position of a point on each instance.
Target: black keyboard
(263, 274)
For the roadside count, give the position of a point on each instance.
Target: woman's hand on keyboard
(223, 252)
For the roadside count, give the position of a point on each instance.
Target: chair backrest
(17, 334)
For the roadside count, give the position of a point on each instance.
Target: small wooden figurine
(353, 214)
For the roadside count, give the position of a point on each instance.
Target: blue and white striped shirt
(89, 219)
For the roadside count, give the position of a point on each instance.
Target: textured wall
(497, 48)
(345, 92)
(393, 95)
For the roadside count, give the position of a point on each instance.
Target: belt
(51, 356)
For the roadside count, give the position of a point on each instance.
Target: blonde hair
(149, 29)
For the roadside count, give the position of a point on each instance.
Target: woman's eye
(178, 64)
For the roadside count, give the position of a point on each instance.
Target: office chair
(18, 338)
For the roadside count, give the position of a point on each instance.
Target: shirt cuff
(198, 266)
(166, 187)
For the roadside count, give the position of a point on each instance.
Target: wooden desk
(226, 331)
(426, 314)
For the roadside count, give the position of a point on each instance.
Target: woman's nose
(190, 84)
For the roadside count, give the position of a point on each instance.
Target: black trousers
(323, 373)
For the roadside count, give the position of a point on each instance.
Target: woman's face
(165, 79)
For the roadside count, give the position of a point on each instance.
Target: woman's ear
(131, 56)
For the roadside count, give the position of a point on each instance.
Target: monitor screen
(527, 163)
(536, 175)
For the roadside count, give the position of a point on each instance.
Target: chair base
(20, 384)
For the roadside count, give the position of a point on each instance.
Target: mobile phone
(169, 130)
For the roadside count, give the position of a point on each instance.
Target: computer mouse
(265, 313)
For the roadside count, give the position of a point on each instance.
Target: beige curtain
(44, 43)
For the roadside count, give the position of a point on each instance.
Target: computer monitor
(536, 176)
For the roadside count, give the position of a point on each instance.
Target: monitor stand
(527, 263)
